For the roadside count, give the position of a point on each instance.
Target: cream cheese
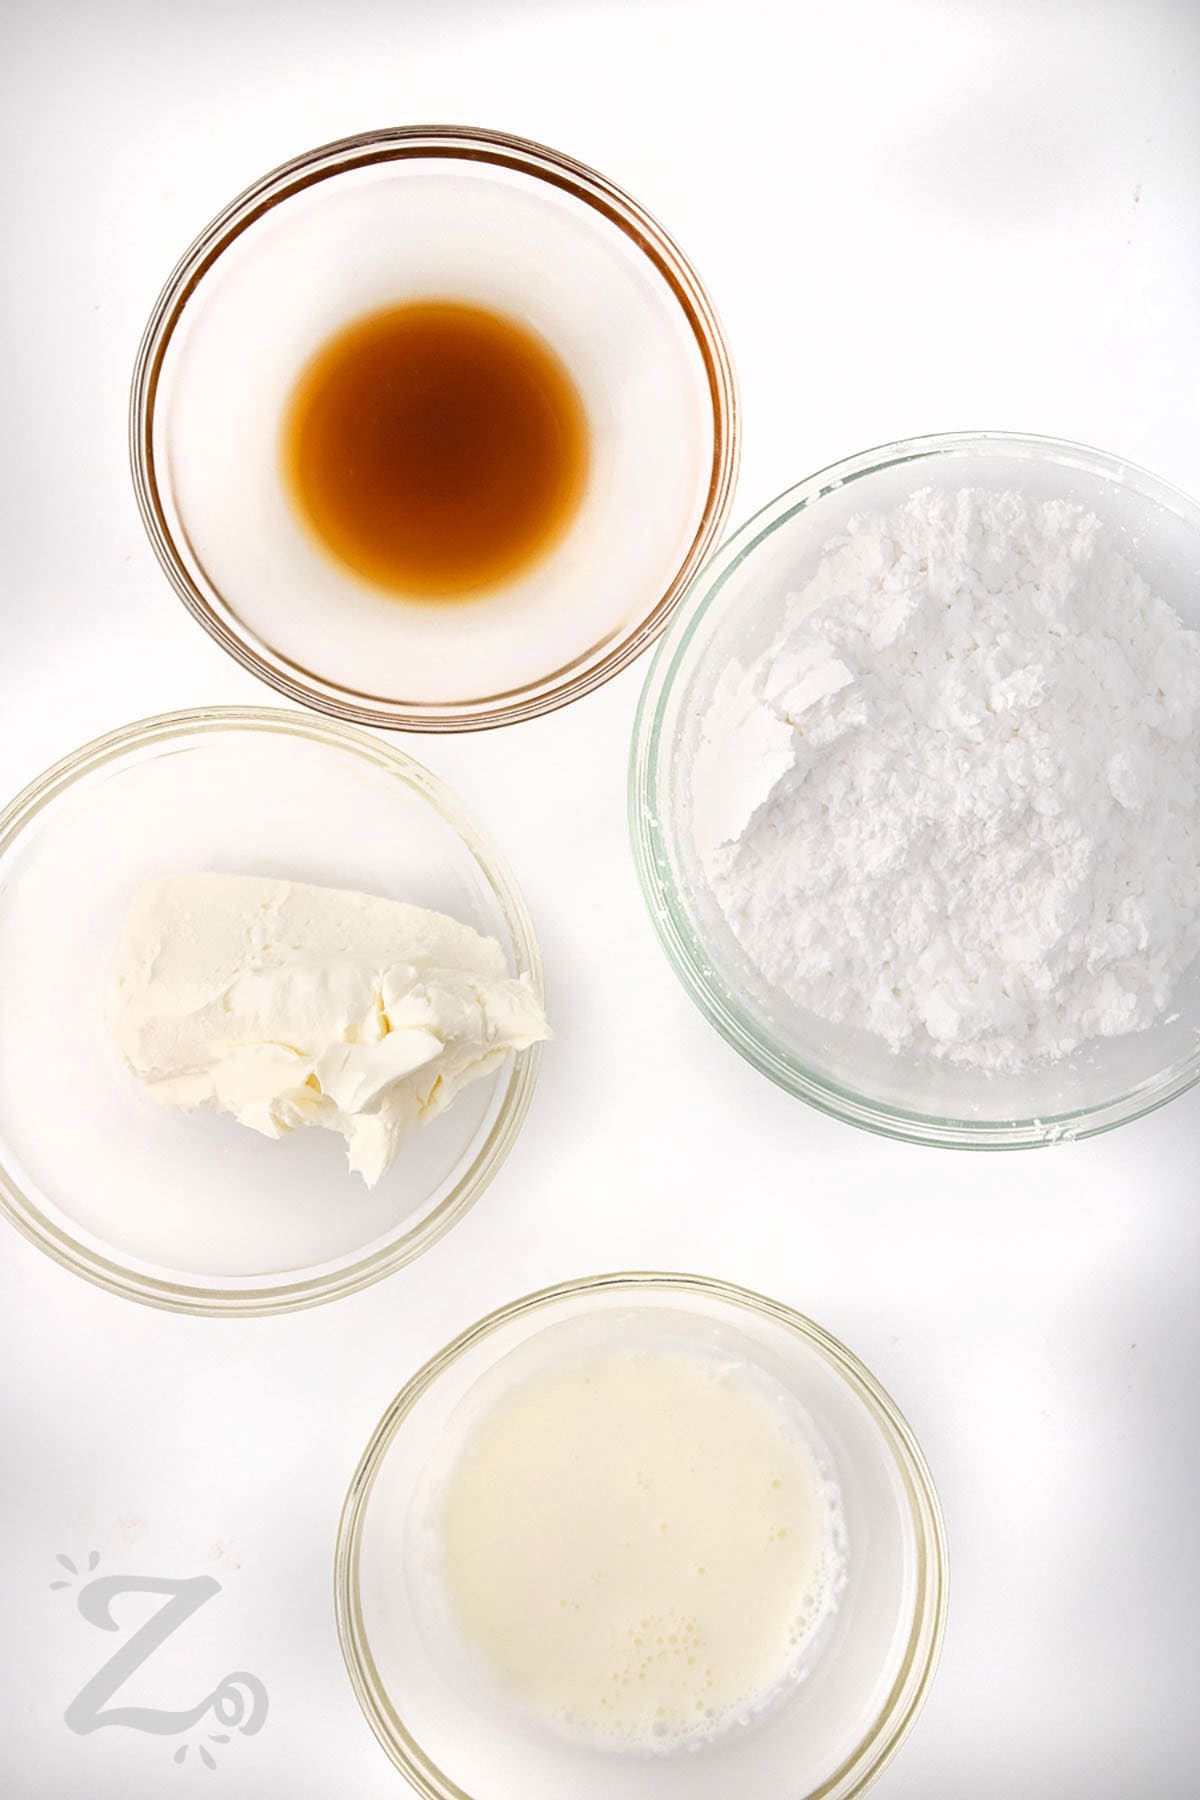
(287, 1004)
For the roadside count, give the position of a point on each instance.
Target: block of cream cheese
(287, 1004)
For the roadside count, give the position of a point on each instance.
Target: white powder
(957, 802)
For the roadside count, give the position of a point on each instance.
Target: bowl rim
(650, 834)
(391, 144)
(899, 1711)
(291, 1295)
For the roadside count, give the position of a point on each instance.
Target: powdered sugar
(957, 802)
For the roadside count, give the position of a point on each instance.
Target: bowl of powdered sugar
(916, 790)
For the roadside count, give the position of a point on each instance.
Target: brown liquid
(436, 449)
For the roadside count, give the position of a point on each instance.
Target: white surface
(914, 215)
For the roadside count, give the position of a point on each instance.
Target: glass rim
(667, 905)
(281, 1296)
(897, 1714)
(471, 144)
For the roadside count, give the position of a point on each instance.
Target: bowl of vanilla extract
(432, 427)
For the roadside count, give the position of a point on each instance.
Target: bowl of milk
(641, 1535)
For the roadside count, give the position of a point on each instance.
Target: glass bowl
(421, 213)
(731, 610)
(197, 1213)
(829, 1735)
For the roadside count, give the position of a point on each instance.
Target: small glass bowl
(196, 1213)
(827, 1737)
(732, 610)
(423, 213)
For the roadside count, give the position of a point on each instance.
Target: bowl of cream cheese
(915, 791)
(273, 1010)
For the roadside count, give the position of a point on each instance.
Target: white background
(914, 215)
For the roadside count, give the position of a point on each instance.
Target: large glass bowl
(190, 1212)
(732, 609)
(825, 1737)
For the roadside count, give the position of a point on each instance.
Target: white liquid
(641, 1545)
